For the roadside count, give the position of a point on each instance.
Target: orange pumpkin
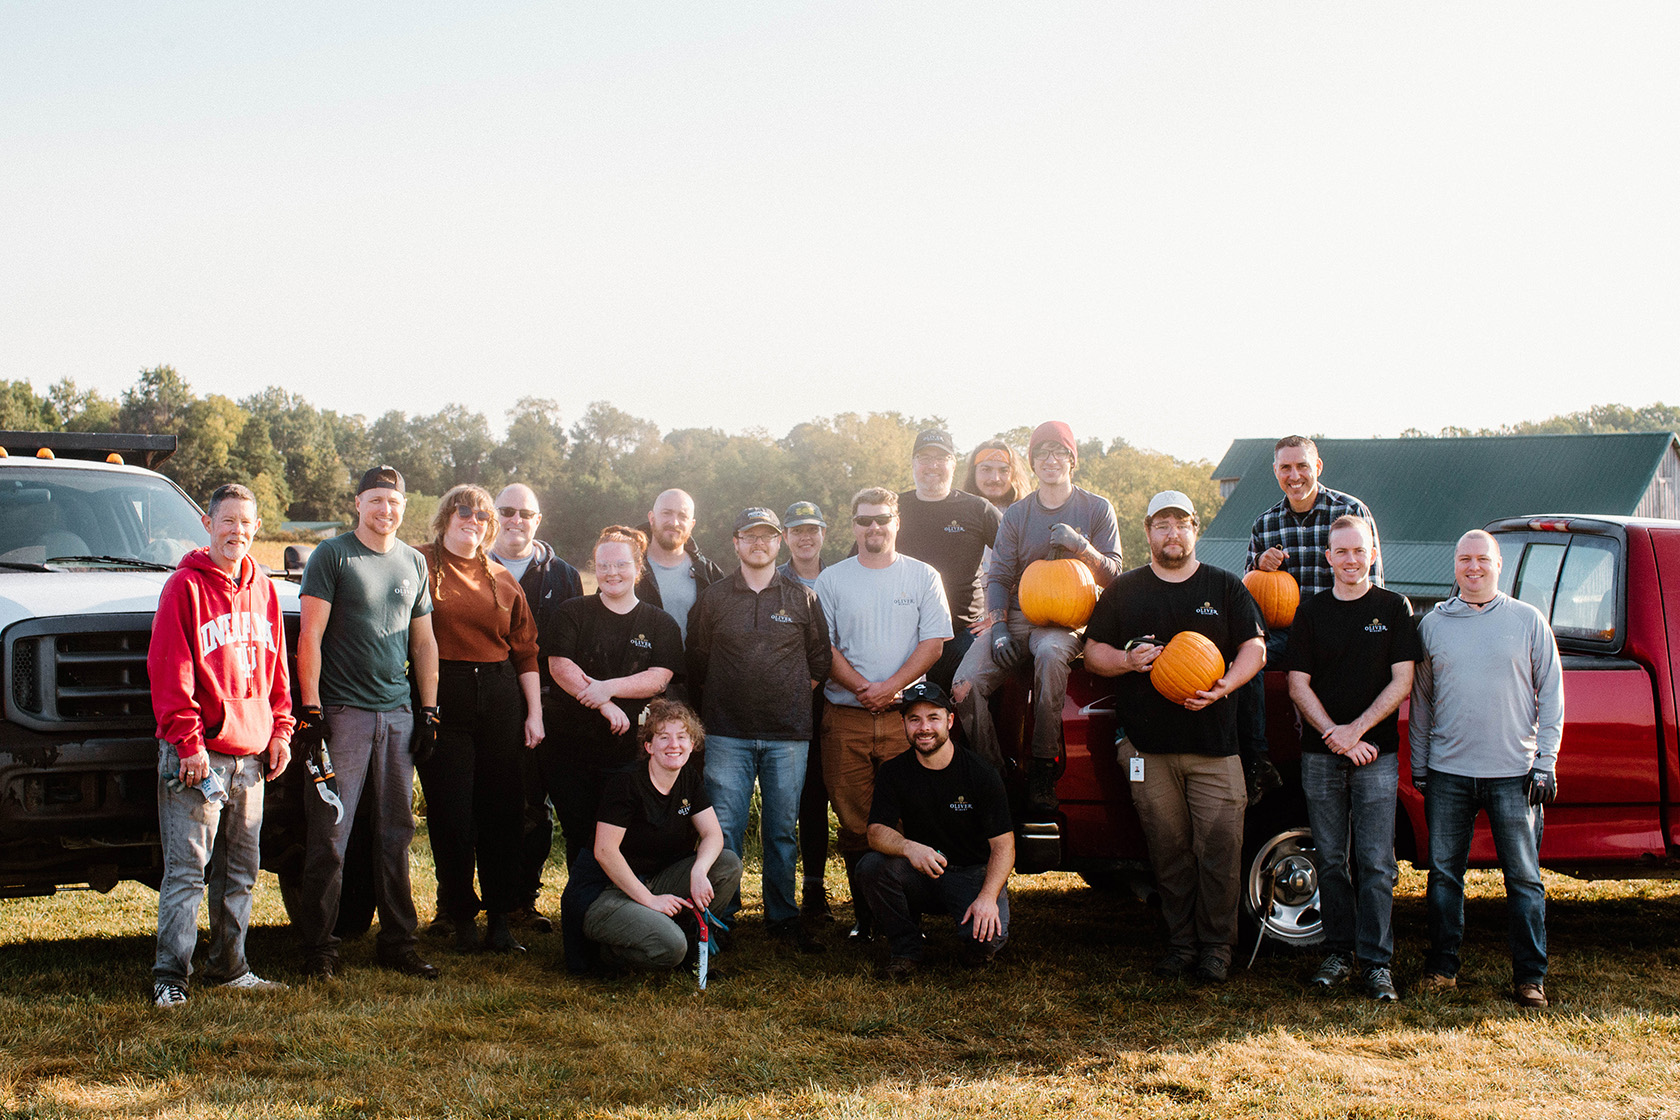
(1189, 664)
(1058, 593)
(1277, 593)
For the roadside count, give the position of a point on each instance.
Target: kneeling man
(940, 837)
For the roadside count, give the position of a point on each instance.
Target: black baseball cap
(756, 515)
(382, 478)
(934, 437)
(925, 692)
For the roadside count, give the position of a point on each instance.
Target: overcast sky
(1174, 223)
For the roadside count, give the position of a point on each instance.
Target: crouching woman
(658, 846)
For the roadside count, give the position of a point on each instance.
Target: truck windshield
(48, 512)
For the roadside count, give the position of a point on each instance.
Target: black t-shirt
(605, 645)
(658, 827)
(955, 811)
(950, 534)
(1140, 604)
(1349, 648)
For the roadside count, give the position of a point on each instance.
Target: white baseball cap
(1170, 499)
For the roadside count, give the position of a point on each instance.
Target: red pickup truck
(1610, 587)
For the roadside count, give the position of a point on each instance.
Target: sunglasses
(882, 519)
(511, 512)
(468, 513)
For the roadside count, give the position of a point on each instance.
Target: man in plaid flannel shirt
(1293, 535)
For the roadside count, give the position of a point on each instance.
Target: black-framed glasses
(758, 538)
(1049, 452)
(468, 513)
(882, 519)
(511, 512)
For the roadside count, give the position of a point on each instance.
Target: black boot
(498, 938)
(1041, 789)
(466, 932)
(863, 925)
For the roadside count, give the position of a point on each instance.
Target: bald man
(547, 582)
(676, 573)
(1486, 723)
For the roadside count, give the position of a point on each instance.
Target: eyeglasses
(468, 513)
(882, 519)
(617, 566)
(1061, 453)
(934, 458)
(758, 538)
(510, 512)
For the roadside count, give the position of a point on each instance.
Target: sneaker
(1529, 994)
(900, 969)
(1379, 985)
(251, 982)
(1212, 970)
(790, 932)
(166, 994)
(1262, 778)
(1436, 982)
(1173, 964)
(529, 917)
(1336, 968)
(815, 908)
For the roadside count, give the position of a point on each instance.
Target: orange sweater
(468, 624)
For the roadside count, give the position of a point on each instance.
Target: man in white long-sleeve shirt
(1486, 722)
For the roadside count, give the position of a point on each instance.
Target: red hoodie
(217, 661)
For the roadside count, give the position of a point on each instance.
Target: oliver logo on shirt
(640, 641)
(685, 809)
(904, 601)
(961, 804)
(781, 616)
(953, 527)
(401, 590)
(1208, 609)
(1376, 627)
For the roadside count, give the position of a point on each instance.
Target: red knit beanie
(1054, 431)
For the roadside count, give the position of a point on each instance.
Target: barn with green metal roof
(1426, 492)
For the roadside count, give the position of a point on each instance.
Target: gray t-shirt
(374, 597)
(517, 567)
(877, 616)
(677, 591)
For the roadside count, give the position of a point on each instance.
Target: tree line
(605, 467)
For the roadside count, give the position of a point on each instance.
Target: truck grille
(80, 673)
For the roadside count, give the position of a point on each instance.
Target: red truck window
(1585, 605)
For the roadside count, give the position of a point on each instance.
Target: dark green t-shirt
(374, 596)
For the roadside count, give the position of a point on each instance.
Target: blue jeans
(1351, 811)
(779, 767)
(1450, 805)
(207, 844)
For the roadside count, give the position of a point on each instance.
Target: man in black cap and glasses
(366, 614)
(940, 839)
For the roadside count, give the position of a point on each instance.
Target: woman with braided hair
(491, 709)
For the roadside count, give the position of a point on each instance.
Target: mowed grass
(1070, 1023)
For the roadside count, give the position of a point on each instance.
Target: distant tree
(156, 404)
(75, 410)
(22, 411)
(534, 451)
(1129, 476)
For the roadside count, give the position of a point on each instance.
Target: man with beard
(676, 573)
(887, 621)
(757, 649)
(940, 838)
(547, 581)
(1187, 782)
(805, 530)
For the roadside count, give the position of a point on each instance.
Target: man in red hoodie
(222, 697)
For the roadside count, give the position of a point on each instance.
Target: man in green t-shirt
(366, 616)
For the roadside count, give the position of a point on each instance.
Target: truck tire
(1280, 890)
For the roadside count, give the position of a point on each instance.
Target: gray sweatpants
(369, 753)
(644, 938)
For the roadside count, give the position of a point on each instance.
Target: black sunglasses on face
(873, 519)
(511, 512)
(468, 513)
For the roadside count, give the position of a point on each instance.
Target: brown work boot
(1531, 994)
(1435, 982)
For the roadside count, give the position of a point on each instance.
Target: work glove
(1541, 787)
(318, 762)
(1420, 782)
(1065, 536)
(425, 735)
(1008, 653)
(311, 729)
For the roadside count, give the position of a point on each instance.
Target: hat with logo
(382, 478)
(935, 438)
(925, 692)
(1053, 431)
(756, 515)
(1170, 499)
(803, 513)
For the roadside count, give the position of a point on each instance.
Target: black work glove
(1541, 787)
(1007, 653)
(311, 729)
(1063, 535)
(425, 735)
(1420, 782)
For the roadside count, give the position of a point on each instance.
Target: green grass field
(1069, 1023)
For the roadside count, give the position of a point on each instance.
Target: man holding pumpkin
(1058, 520)
(1181, 757)
(1293, 537)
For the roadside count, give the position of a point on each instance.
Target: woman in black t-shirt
(609, 653)
(659, 843)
